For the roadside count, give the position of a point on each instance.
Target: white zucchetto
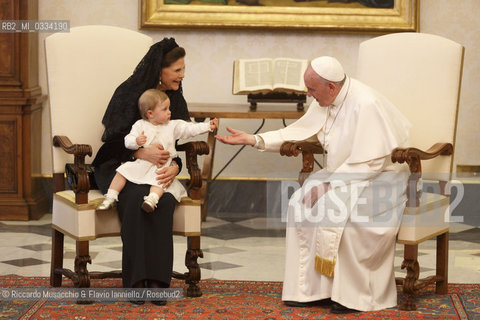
(328, 68)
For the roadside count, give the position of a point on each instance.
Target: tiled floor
(236, 247)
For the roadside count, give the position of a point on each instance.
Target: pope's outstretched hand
(237, 137)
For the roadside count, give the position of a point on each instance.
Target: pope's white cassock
(343, 248)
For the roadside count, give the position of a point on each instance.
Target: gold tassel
(324, 266)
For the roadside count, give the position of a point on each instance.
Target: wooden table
(233, 111)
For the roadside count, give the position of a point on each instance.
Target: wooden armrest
(290, 148)
(308, 149)
(81, 185)
(413, 157)
(192, 150)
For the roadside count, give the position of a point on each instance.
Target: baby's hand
(141, 139)
(214, 124)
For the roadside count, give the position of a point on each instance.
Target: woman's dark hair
(122, 111)
(172, 56)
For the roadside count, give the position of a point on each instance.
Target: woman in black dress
(147, 256)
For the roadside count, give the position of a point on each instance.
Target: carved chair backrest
(84, 67)
(421, 74)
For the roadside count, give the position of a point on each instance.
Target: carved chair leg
(442, 263)
(410, 262)
(57, 259)
(83, 257)
(194, 275)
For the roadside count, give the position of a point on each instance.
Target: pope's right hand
(237, 137)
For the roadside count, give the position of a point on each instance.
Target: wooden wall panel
(21, 100)
(9, 45)
(9, 155)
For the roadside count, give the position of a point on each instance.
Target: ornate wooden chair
(84, 67)
(421, 74)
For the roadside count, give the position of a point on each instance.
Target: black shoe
(317, 303)
(296, 304)
(138, 285)
(337, 308)
(159, 302)
(157, 285)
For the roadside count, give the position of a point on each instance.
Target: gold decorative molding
(154, 14)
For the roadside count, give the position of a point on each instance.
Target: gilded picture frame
(155, 14)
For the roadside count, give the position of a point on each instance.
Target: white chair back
(421, 74)
(84, 67)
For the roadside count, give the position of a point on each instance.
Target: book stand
(277, 97)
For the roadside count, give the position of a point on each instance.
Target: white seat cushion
(426, 221)
(82, 222)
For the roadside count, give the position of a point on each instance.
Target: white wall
(210, 55)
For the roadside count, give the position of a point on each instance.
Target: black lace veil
(122, 110)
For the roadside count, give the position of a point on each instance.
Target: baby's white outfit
(144, 172)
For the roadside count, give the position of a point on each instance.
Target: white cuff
(257, 140)
(259, 143)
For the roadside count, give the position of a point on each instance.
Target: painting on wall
(376, 16)
(368, 3)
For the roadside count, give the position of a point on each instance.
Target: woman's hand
(314, 194)
(165, 176)
(154, 154)
(237, 137)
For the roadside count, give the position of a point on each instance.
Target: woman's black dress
(147, 237)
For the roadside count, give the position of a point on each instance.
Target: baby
(155, 127)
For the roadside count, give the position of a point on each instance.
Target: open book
(264, 75)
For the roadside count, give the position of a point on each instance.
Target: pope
(342, 223)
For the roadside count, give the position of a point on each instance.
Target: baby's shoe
(107, 204)
(150, 203)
